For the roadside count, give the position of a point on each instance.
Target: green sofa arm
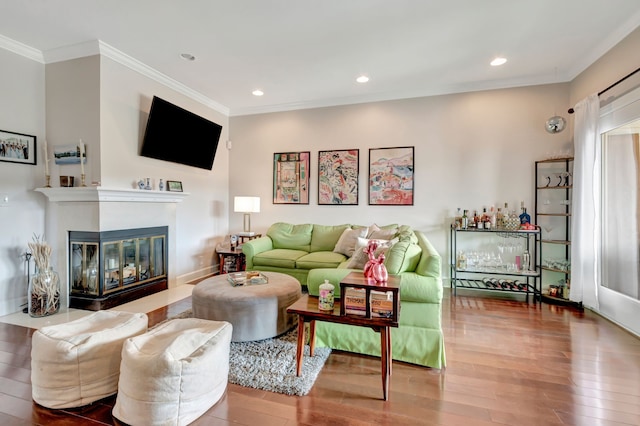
(255, 246)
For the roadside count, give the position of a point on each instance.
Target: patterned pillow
(360, 258)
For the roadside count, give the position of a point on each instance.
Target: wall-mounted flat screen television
(180, 136)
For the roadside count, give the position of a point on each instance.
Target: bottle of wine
(465, 220)
(475, 221)
(500, 219)
(524, 216)
(493, 218)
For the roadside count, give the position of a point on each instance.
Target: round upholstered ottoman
(78, 362)
(257, 311)
(174, 373)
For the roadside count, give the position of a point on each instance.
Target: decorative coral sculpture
(375, 268)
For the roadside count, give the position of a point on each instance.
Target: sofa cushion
(386, 232)
(324, 238)
(320, 259)
(282, 258)
(360, 258)
(402, 256)
(289, 236)
(348, 240)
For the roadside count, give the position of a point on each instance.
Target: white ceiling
(307, 53)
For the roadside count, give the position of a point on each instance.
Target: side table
(307, 309)
(230, 260)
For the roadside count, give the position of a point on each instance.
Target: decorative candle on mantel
(46, 158)
(81, 157)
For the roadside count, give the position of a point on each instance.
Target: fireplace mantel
(100, 194)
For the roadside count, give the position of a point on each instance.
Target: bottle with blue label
(524, 216)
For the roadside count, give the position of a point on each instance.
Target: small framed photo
(174, 186)
(17, 148)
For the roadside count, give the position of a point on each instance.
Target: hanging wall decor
(291, 178)
(338, 177)
(17, 148)
(391, 176)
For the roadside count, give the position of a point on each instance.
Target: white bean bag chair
(174, 373)
(78, 362)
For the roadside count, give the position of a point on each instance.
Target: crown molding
(98, 47)
(141, 68)
(21, 49)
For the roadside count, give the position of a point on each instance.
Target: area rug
(270, 364)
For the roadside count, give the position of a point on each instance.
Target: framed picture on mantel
(17, 148)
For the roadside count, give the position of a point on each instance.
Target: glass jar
(44, 293)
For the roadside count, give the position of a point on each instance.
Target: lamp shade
(246, 204)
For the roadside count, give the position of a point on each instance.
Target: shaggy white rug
(270, 364)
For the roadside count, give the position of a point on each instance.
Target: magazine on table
(247, 278)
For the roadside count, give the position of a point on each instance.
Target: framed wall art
(17, 148)
(338, 177)
(70, 154)
(391, 176)
(291, 178)
(174, 186)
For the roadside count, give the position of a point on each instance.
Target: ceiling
(308, 53)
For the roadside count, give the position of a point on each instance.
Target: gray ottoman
(257, 311)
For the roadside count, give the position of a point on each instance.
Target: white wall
(202, 218)
(21, 110)
(471, 150)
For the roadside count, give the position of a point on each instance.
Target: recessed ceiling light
(187, 57)
(498, 61)
(257, 92)
(362, 79)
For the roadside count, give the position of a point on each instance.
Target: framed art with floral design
(391, 176)
(291, 178)
(338, 177)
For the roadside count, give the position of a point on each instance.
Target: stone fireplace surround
(97, 209)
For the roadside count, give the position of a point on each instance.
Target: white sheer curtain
(584, 211)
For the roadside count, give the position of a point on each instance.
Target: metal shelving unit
(526, 282)
(553, 179)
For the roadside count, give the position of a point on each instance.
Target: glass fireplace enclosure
(109, 268)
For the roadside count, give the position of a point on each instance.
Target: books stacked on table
(355, 301)
(381, 304)
(247, 278)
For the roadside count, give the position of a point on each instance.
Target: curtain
(584, 210)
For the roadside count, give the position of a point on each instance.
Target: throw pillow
(360, 258)
(385, 233)
(347, 243)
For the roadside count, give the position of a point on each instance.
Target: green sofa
(312, 253)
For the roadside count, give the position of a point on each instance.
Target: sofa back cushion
(289, 236)
(324, 238)
(402, 256)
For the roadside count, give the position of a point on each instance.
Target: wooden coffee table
(307, 309)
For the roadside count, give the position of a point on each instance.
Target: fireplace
(109, 268)
(97, 212)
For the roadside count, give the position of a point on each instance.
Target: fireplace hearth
(110, 268)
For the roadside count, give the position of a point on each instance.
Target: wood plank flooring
(508, 363)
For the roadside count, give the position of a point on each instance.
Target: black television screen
(180, 136)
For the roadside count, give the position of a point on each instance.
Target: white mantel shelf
(100, 194)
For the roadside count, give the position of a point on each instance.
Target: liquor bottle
(493, 218)
(486, 220)
(457, 220)
(465, 220)
(500, 219)
(475, 220)
(524, 216)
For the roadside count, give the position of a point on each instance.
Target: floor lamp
(246, 205)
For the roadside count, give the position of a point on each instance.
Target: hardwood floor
(508, 362)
